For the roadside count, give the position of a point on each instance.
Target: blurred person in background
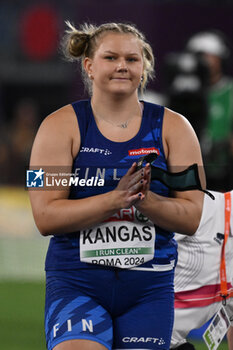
(5, 160)
(21, 134)
(198, 280)
(113, 301)
(186, 77)
(217, 136)
(5, 156)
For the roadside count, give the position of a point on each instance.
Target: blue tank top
(102, 159)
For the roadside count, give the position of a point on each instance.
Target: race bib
(126, 240)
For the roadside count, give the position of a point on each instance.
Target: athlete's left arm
(182, 212)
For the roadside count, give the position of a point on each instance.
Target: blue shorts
(121, 309)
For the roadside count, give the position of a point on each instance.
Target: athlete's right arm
(56, 145)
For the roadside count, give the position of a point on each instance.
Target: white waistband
(156, 267)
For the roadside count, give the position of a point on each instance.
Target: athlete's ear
(87, 64)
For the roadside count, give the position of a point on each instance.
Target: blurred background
(192, 42)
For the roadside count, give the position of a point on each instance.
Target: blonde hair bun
(78, 44)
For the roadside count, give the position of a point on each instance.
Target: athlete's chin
(122, 90)
(121, 93)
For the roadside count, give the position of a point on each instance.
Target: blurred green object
(22, 317)
(200, 345)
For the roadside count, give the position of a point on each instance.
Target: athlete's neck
(116, 110)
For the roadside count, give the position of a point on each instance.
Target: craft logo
(158, 341)
(105, 152)
(143, 151)
(35, 178)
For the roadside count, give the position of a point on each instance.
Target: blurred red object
(39, 29)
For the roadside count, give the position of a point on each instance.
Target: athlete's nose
(122, 66)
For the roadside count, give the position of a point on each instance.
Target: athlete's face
(117, 65)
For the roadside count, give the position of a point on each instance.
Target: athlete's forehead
(126, 43)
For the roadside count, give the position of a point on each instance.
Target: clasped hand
(134, 185)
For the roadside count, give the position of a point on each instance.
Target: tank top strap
(155, 114)
(82, 111)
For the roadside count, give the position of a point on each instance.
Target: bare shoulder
(177, 129)
(180, 140)
(63, 117)
(176, 121)
(61, 127)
